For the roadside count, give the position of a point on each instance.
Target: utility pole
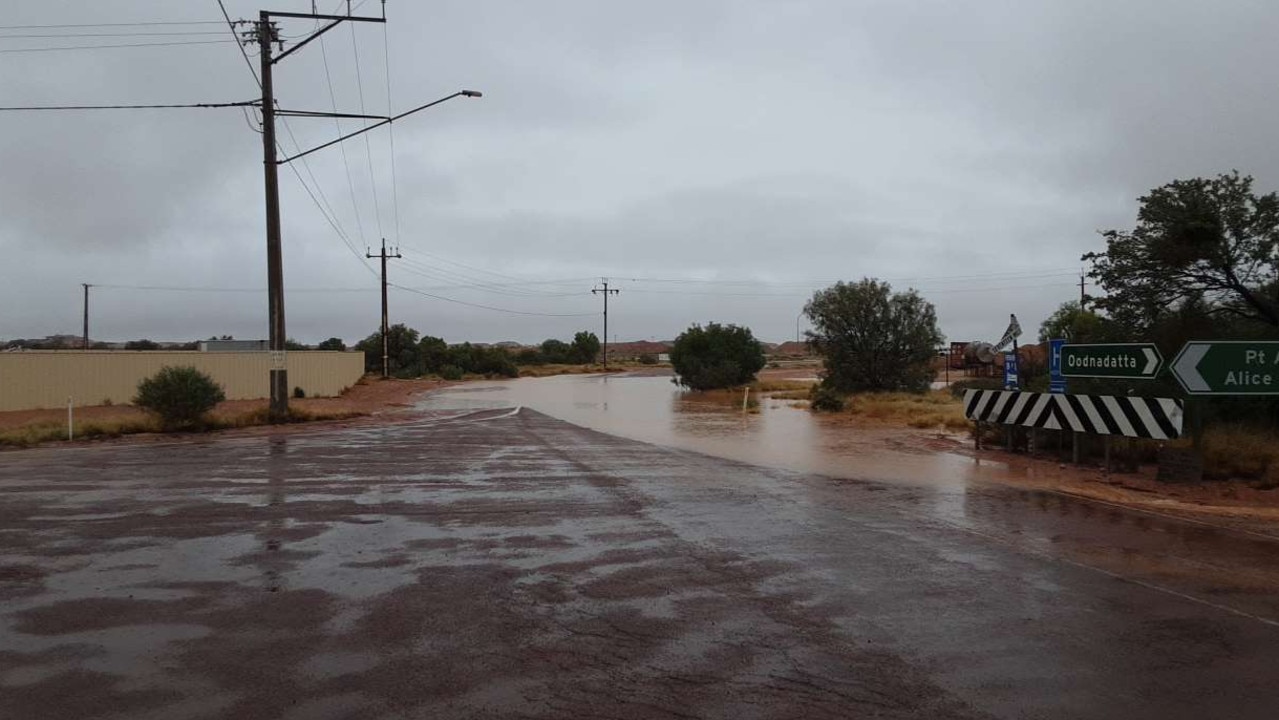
(605, 292)
(265, 34)
(268, 34)
(86, 314)
(386, 362)
(1083, 299)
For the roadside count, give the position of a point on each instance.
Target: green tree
(586, 347)
(332, 343)
(716, 356)
(294, 346)
(404, 357)
(434, 353)
(181, 396)
(556, 351)
(141, 345)
(1072, 323)
(1203, 240)
(871, 338)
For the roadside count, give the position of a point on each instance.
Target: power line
(58, 36)
(200, 289)
(115, 24)
(368, 147)
(121, 45)
(247, 103)
(488, 307)
(441, 274)
(395, 190)
(346, 163)
(231, 26)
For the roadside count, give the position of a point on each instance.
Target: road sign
(1133, 361)
(1056, 381)
(1010, 371)
(1228, 367)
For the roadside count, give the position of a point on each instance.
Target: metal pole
(86, 315)
(606, 293)
(386, 356)
(274, 260)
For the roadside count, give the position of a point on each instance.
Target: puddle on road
(653, 409)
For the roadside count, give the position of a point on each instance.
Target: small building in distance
(233, 345)
(791, 348)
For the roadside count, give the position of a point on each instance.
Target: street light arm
(348, 136)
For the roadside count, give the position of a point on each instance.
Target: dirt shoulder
(1240, 504)
(933, 423)
(369, 400)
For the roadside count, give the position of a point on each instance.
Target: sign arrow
(1152, 361)
(1120, 361)
(1228, 367)
(1185, 367)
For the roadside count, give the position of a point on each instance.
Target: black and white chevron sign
(1158, 418)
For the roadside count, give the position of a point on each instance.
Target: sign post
(1010, 371)
(1228, 367)
(1132, 361)
(1056, 381)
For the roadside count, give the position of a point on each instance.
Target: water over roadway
(500, 562)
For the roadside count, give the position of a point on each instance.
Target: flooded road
(653, 409)
(494, 561)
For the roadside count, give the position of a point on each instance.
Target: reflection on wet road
(501, 563)
(653, 409)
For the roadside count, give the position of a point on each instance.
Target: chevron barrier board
(1157, 418)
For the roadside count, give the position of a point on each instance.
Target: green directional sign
(1132, 361)
(1228, 367)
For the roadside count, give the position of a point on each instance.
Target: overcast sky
(970, 150)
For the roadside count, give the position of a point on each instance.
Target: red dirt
(368, 397)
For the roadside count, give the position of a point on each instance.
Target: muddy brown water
(653, 409)
(489, 560)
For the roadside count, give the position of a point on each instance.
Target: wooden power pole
(386, 361)
(605, 291)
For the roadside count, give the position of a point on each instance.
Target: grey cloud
(784, 143)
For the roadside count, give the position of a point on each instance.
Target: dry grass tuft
(777, 388)
(42, 432)
(1238, 451)
(934, 409)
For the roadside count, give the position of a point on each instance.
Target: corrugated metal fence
(46, 378)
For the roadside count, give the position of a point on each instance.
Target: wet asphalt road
(506, 564)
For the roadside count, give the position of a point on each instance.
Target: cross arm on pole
(336, 20)
(318, 114)
(386, 121)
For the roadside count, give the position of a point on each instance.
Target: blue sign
(1010, 371)
(1056, 381)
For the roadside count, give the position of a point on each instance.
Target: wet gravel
(501, 563)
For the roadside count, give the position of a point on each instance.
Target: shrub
(871, 338)
(647, 359)
(825, 399)
(181, 396)
(451, 372)
(298, 392)
(585, 348)
(716, 356)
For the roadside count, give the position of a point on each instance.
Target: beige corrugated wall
(46, 378)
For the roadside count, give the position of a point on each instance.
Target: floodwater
(653, 409)
(506, 563)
